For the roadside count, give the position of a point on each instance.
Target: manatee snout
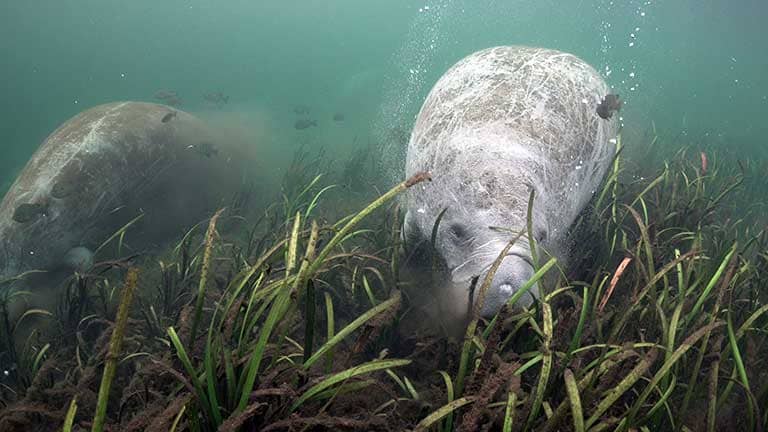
(512, 274)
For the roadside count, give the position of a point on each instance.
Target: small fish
(217, 98)
(610, 104)
(26, 213)
(703, 163)
(301, 109)
(338, 117)
(304, 123)
(169, 97)
(165, 94)
(166, 118)
(206, 149)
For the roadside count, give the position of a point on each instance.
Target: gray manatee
(100, 170)
(500, 122)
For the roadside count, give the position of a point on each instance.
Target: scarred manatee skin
(100, 170)
(497, 124)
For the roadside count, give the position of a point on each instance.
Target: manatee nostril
(506, 289)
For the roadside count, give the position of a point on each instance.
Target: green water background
(699, 68)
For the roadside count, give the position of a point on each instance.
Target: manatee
(102, 169)
(497, 124)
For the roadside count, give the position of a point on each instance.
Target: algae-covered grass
(291, 320)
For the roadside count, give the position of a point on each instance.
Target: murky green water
(696, 67)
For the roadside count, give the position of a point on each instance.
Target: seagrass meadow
(292, 319)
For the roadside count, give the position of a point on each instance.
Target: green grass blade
(364, 368)
(69, 419)
(330, 329)
(441, 412)
(448, 424)
(314, 201)
(546, 364)
(575, 400)
(209, 237)
(509, 412)
(118, 233)
(210, 374)
(622, 387)
(354, 325)
(737, 359)
(191, 372)
(705, 293)
(309, 326)
(342, 233)
(177, 420)
(276, 313)
(115, 344)
(667, 366)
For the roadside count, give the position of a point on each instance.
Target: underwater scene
(448, 215)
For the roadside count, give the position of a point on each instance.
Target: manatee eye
(458, 231)
(26, 213)
(540, 236)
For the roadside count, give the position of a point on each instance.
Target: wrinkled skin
(100, 170)
(499, 123)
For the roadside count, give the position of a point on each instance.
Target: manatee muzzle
(512, 275)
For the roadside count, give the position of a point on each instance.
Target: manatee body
(498, 123)
(100, 170)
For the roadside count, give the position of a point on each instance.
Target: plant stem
(115, 342)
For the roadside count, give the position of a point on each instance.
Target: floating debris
(610, 104)
(301, 109)
(338, 117)
(304, 123)
(217, 98)
(166, 118)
